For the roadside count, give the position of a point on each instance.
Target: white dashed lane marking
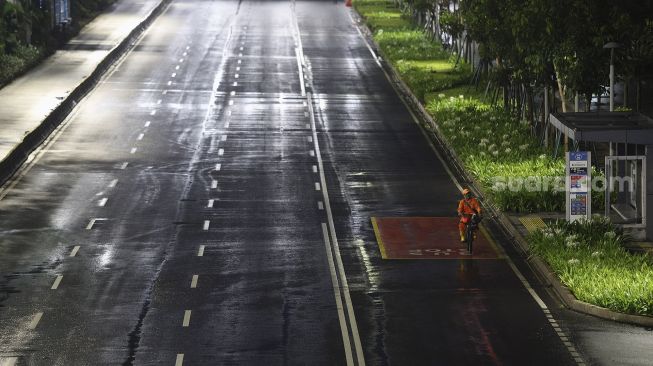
(317, 186)
(223, 138)
(174, 75)
(124, 165)
(235, 83)
(147, 123)
(210, 204)
(236, 76)
(180, 359)
(207, 223)
(74, 251)
(186, 321)
(169, 82)
(56, 283)
(220, 152)
(177, 67)
(214, 184)
(200, 251)
(113, 183)
(8, 361)
(102, 202)
(320, 205)
(314, 168)
(133, 150)
(140, 137)
(239, 61)
(312, 152)
(193, 282)
(153, 112)
(218, 167)
(35, 320)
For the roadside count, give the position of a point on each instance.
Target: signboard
(578, 182)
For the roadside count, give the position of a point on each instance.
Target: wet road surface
(210, 203)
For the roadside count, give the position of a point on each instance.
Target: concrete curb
(21, 152)
(541, 269)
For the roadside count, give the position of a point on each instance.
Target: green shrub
(589, 258)
(12, 65)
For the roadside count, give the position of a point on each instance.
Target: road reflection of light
(106, 257)
(372, 274)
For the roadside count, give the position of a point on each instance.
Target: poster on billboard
(578, 183)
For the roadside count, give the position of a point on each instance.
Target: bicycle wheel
(469, 238)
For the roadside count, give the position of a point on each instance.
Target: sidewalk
(28, 102)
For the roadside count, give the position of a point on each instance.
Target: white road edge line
(56, 283)
(511, 264)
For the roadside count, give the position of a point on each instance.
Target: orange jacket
(468, 209)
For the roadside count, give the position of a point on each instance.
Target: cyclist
(467, 207)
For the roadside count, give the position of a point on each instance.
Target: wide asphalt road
(210, 202)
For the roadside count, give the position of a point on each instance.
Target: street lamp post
(611, 46)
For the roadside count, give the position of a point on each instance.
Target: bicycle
(470, 228)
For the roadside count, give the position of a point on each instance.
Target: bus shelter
(627, 164)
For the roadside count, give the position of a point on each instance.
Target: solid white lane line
(174, 74)
(113, 183)
(9, 361)
(207, 223)
(220, 152)
(314, 168)
(320, 205)
(218, 167)
(186, 321)
(214, 184)
(180, 359)
(35, 320)
(124, 165)
(153, 112)
(210, 204)
(56, 283)
(223, 138)
(193, 282)
(147, 123)
(133, 150)
(200, 251)
(317, 186)
(103, 202)
(336, 293)
(140, 137)
(74, 251)
(301, 71)
(360, 357)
